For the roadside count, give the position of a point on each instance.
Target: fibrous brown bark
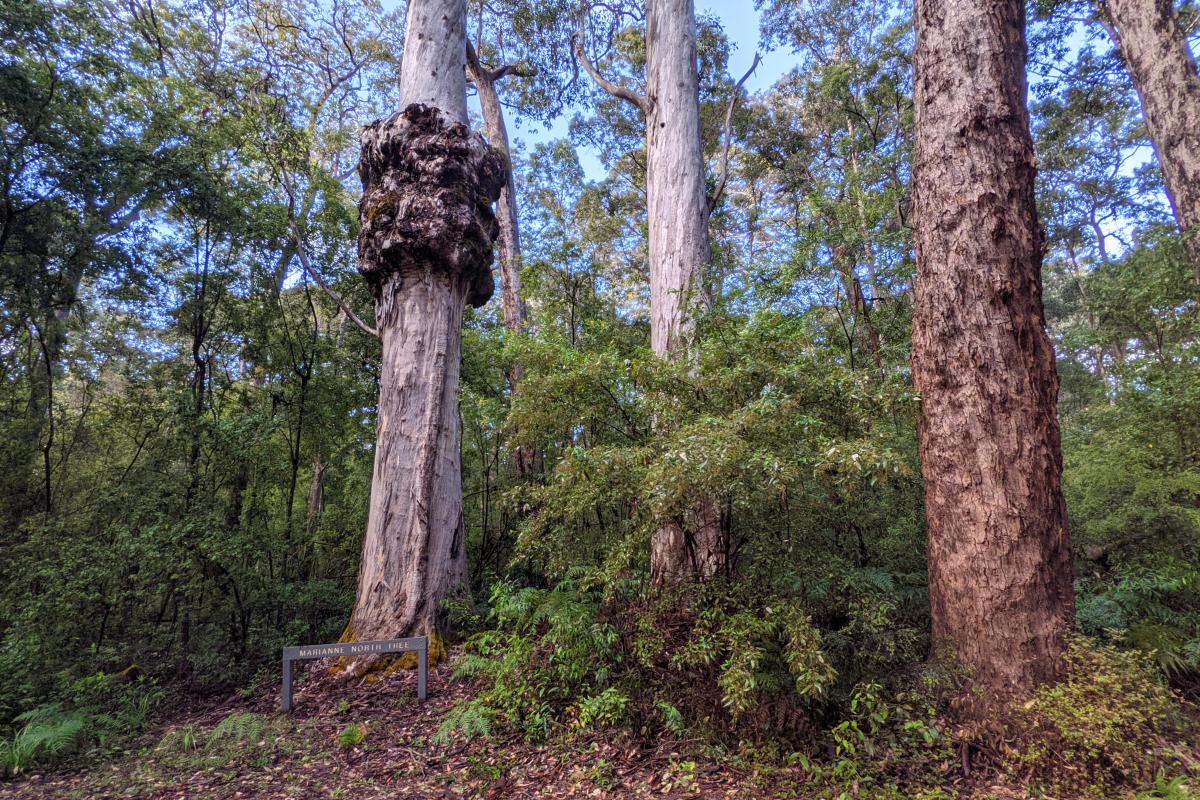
(1000, 579)
(425, 249)
(1155, 49)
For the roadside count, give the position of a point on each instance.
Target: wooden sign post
(308, 652)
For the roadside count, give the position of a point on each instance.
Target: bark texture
(1155, 49)
(679, 249)
(676, 203)
(1000, 573)
(425, 249)
(509, 241)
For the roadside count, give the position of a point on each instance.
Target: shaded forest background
(187, 419)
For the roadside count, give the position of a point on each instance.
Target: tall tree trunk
(677, 211)
(1000, 580)
(425, 249)
(1155, 49)
(316, 497)
(509, 242)
(676, 203)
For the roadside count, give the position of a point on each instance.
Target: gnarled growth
(428, 189)
(425, 249)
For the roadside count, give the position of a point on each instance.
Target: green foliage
(43, 734)
(186, 421)
(114, 705)
(755, 648)
(238, 729)
(547, 653)
(702, 661)
(470, 718)
(352, 735)
(603, 710)
(101, 711)
(1168, 789)
(189, 738)
(173, 391)
(1109, 724)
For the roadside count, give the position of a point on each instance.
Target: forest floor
(244, 747)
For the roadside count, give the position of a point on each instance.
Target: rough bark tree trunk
(1000, 579)
(425, 249)
(509, 242)
(677, 212)
(1155, 49)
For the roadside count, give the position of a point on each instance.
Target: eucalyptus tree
(1000, 572)
(96, 132)
(1154, 46)
(523, 45)
(843, 120)
(305, 103)
(425, 250)
(693, 543)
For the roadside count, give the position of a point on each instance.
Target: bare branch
(737, 91)
(476, 69)
(334, 296)
(520, 70)
(615, 89)
(473, 63)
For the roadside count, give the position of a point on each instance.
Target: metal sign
(308, 652)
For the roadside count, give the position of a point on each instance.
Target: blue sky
(740, 21)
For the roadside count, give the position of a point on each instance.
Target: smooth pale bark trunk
(676, 203)
(414, 554)
(509, 241)
(677, 208)
(1155, 49)
(1000, 572)
(425, 251)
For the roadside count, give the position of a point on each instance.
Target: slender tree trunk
(1000, 580)
(316, 497)
(679, 249)
(425, 249)
(1154, 47)
(509, 241)
(199, 382)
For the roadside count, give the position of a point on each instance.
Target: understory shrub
(722, 661)
(1109, 727)
(99, 711)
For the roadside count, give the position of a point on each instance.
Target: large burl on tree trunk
(425, 248)
(1000, 579)
(1154, 47)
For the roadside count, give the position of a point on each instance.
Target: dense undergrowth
(186, 425)
(739, 682)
